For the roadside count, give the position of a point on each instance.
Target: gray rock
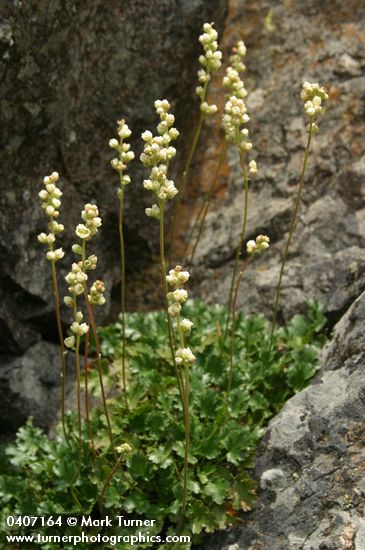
(30, 386)
(310, 462)
(69, 71)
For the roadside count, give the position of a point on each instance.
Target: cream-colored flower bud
(78, 289)
(252, 167)
(70, 342)
(174, 309)
(180, 295)
(68, 301)
(186, 325)
(59, 254)
(42, 238)
(78, 316)
(51, 256)
(251, 247)
(77, 249)
(123, 448)
(184, 356)
(113, 143)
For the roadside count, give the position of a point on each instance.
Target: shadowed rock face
(289, 42)
(310, 464)
(68, 72)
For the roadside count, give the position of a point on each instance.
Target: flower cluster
(51, 203)
(90, 216)
(235, 110)
(78, 329)
(238, 53)
(157, 154)
(312, 96)
(184, 356)
(96, 295)
(125, 155)
(257, 246)
(77, 278)
(123, 448)
(210, 62)
(176, 278)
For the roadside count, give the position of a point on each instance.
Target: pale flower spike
(51, 203)
(235, 111)
(125, 155)
(313, 95)
(176, 278)
(77, 278)
(157, 153)
(210, 62)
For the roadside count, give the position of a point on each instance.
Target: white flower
(186, 325)
(59, 253)
(123, 448)
(174, 309)
(184, 356)
(208, 109)
(83, 232)
(153, 212)
(68, 301)
(252, 167)
(261, 243)
(313, 95)
(113, 143)
(251, 247)
(70, 342)
(180, 295)
(79, 329)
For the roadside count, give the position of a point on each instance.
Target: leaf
(217, 490)
(160, 456)
(135, 502)
(242, 492)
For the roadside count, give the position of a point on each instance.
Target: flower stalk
(313, 96)
(253, 247)
(210, 63)
(51, 203)
(120, 164)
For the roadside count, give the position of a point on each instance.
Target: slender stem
(180, 196)
(62, 347)
(165, 291)
(92, 323)
(291, 231)
(240, 243)
(122, 290)
(205, 206)
(187, 432)
(233, 332)
(110, 477)
(78, 375)
(87, 407)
